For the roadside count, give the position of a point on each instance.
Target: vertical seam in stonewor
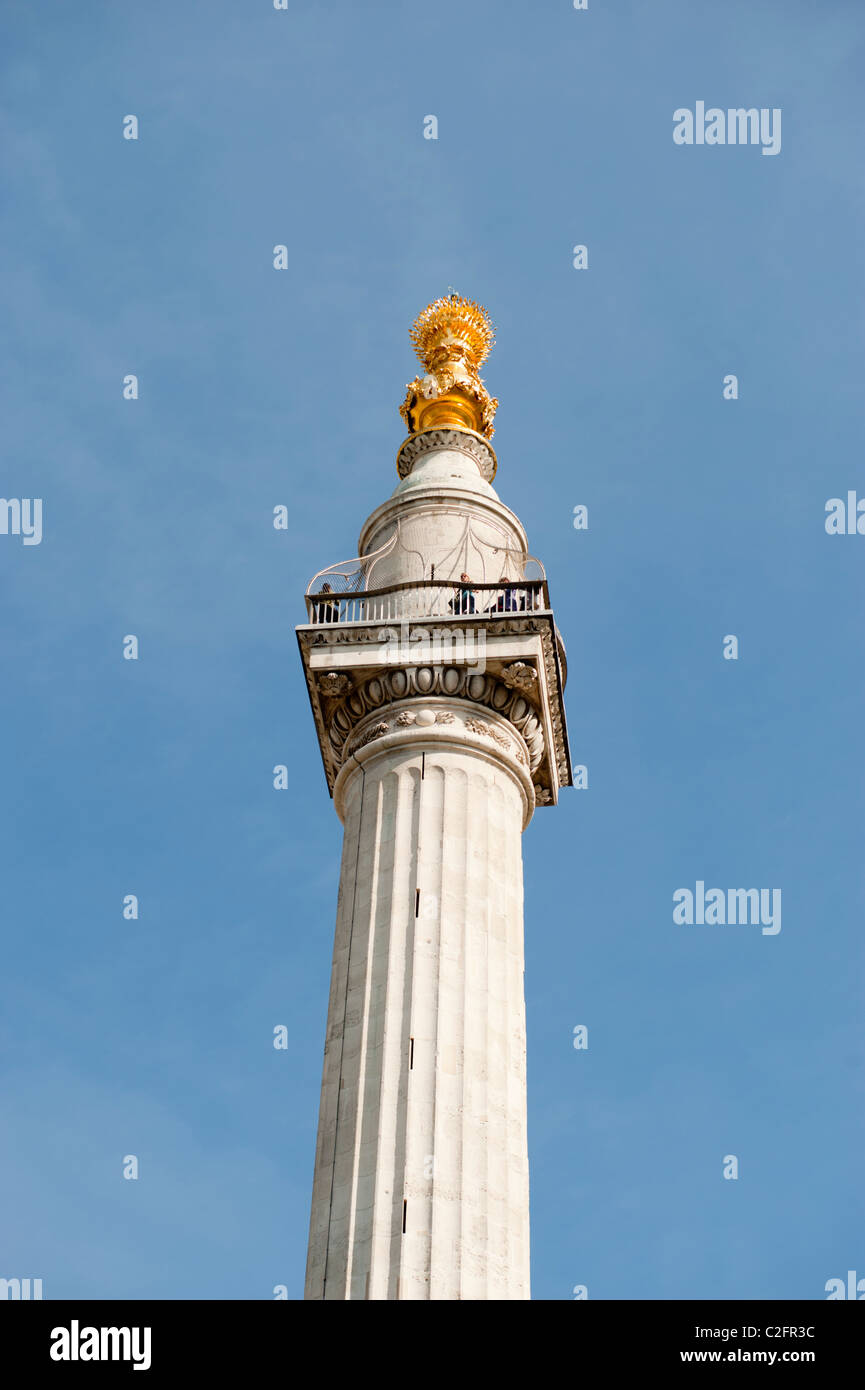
(517, 1253)
(464, 841)
(363, 1051)
(442, 861)
(388, 1045)
(342, 1032)
(507, 904)
(401, 1132)
(437, 971)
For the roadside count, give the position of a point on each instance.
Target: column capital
(430, 724)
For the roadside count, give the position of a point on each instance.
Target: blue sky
(258, 387)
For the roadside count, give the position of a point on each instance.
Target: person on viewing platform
(327, 612)
(512, 600)
(464, 601)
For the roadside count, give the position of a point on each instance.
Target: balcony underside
(514, 649)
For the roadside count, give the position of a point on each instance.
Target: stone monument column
(438, 704)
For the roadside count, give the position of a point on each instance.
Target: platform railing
(429, 598)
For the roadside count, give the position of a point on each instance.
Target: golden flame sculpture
(452, 337)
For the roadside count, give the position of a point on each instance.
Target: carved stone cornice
(424, 683)
(463, 441)
(519, 679)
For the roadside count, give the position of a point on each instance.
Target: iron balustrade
(428, 598)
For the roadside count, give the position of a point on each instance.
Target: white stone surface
(422, 1120)
(429, 947)
(448, 517)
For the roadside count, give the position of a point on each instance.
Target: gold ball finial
(452, 338)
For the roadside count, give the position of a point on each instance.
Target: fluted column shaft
(421, 1178)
